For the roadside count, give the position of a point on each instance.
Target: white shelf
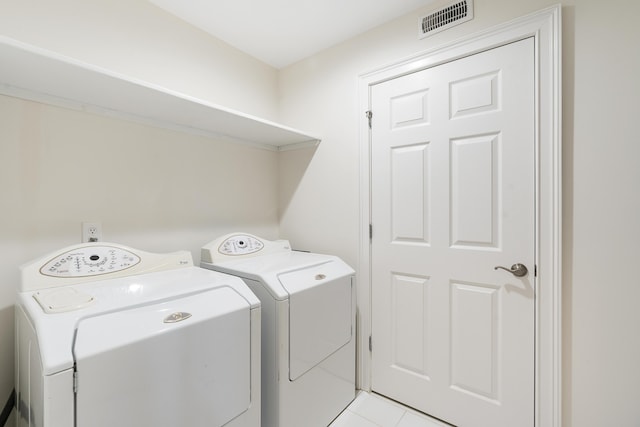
(29, 72)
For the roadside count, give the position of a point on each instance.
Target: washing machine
(107, 335)
(308, 326)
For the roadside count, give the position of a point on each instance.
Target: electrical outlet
(91, 231)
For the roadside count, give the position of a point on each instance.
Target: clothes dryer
(107, 335)
(308, 326)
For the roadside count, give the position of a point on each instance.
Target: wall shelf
(36, 74)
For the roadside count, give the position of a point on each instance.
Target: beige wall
(601, 165)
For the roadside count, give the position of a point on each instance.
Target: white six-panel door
(452, 197)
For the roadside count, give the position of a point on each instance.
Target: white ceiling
(281, 32)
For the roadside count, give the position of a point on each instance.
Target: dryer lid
(307, 277)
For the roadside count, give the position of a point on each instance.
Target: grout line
(401, 418)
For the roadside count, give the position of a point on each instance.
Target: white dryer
(107, 335)
(308, 326)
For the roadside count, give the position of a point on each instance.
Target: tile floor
(372, 410)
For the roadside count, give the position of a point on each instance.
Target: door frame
(545, 27)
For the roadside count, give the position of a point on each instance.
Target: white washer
(308, 326)
(107, 335)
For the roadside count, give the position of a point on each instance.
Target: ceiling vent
(454, 14)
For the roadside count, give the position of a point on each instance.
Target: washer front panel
(134, 369)
(90, 261)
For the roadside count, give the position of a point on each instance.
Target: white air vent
(447, 17)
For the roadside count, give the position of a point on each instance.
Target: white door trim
(545, 27)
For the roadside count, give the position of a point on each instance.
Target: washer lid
(56, 331)
(184, 362)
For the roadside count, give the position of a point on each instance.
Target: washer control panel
(240, 244)
(90, 261)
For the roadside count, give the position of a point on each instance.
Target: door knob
(518, 270)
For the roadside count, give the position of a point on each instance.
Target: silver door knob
(518, 270)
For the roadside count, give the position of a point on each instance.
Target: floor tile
(412, 420)
(350, 419)
(373, 408)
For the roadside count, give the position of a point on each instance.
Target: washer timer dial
(90, 261)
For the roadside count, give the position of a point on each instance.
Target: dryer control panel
(237, 245)
(240, 244)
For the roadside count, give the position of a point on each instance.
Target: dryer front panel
(320, 318)
(183, 362)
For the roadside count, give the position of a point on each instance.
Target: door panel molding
(545, 27)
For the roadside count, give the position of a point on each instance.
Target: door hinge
(369, 114)
(370, 344)
(370, 231)
(535, 270)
